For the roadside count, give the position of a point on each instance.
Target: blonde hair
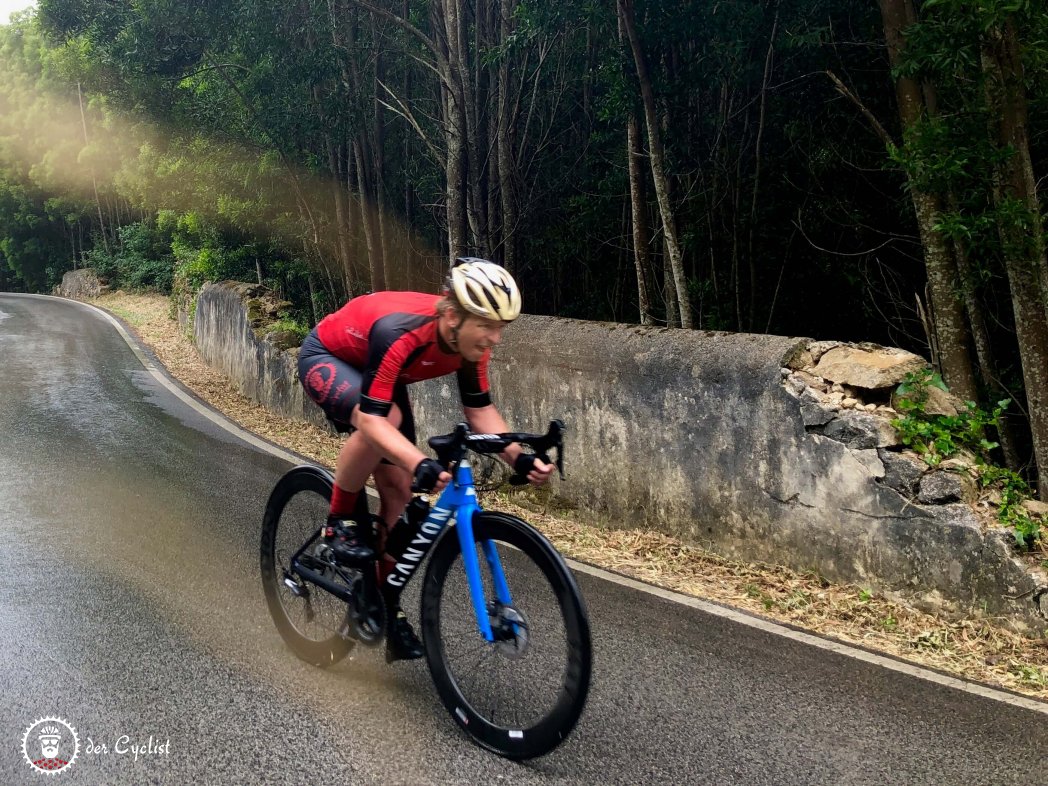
(449, 301)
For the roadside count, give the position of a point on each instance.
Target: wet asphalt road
(130, 604)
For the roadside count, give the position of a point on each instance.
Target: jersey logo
(319, 380)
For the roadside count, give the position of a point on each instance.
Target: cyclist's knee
(392, 481)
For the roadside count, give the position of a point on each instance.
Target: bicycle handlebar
(451, 448)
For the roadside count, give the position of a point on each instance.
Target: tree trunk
(1022, 241)
(312, 296)
(655, 153)
(454, 172)
(951, 332)
(641, 234)
(368, 213)
(751, 256)
(378, 159)
(339, 197)
(670, 289)
(355, 213)
(465, 120)
(504, 142)
(983, 345)
(94, 181)
(1015, 134)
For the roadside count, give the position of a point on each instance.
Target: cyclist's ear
(454, 319)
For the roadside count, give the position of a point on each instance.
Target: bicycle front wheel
(311, 621)
(522, 694)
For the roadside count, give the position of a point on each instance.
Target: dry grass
(974, 649)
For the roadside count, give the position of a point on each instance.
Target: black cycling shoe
(347, 549)
(401, 641)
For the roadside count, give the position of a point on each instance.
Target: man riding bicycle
(356, 365)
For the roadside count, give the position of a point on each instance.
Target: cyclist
(357, 364)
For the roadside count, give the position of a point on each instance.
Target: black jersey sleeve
(473, 383)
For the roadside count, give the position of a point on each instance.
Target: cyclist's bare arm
(393, 445)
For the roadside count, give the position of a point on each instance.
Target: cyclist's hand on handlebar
(430, 476)
(534, 469)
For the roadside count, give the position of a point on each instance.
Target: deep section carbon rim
(521, 695)
(310, 620)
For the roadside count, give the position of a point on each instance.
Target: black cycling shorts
(334, 386)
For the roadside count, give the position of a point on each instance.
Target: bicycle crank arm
(339, 591)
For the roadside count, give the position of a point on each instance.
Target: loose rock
(938, 402)
(1036, 507)
(938, 488)
(861, 430)
(867, 369)
(902, 471)
(819, 348)
(814, 414)
(815, 383)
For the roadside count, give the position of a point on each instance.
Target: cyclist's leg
(392, 482)
(394, 488)
(334, 385)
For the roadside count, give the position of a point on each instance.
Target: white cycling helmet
(485, 289)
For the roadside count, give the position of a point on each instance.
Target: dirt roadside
(973, 648)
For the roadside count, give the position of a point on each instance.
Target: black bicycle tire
(323, 652)
(554, 728)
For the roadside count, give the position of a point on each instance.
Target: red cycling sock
(343, 503)
(385, 567)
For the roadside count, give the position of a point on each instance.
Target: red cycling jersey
(392, 338)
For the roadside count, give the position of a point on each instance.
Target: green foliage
(1011, 513)
(1033, 676)
(142, 259)
(937, 437)
(288, 324)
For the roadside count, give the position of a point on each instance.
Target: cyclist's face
(477, 335)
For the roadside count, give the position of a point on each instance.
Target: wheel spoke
(310, 624)
(525, 679)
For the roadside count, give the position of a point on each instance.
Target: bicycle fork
(458, 499)
(465, 507)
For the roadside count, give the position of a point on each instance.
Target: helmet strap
(453, 329)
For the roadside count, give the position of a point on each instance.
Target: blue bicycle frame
(459, 500)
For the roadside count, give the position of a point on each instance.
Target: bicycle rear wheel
(521, 695)
(311, 621)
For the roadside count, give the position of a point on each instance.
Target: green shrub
(937, 437)
(141, 259)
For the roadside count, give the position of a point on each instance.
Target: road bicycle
(505, 628)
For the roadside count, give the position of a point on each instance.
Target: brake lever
(556, 433)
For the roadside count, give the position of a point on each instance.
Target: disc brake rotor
(511, 629)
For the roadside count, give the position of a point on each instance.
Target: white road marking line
(742, 618)
(164, 379)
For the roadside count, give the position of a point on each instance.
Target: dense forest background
(827, 168)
